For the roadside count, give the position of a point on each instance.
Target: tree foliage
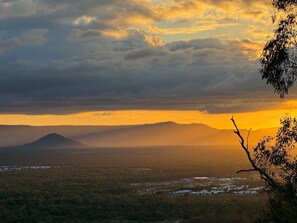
(275, 155)
(279, 59)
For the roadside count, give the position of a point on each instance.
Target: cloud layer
(60, 57)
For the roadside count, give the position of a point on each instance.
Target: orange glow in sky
(255, 120)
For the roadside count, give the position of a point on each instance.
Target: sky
(119, 62)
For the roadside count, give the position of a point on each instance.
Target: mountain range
(159, 134)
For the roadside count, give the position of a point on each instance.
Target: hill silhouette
(54, 140)
(158, 134)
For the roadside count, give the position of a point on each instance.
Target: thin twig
(247, 139)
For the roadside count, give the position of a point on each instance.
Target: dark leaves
(283, 4)
(273, 154)
(278, 60)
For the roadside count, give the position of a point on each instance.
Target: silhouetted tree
(274, 159)
(279, 59)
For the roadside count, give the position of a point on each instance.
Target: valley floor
(127, 186)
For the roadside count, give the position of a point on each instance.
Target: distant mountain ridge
(159, 134)
(54, 140)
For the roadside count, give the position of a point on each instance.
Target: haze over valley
(159, 134)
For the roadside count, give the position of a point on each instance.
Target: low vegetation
(96, 186)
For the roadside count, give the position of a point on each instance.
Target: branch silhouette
(262, 172)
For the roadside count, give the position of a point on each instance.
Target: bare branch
(250, 170)
(263, 174)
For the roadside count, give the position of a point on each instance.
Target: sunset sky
(118, 62)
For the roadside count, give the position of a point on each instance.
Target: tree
(279, 59)
(274, 159)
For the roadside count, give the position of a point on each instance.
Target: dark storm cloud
(147, 78)
(146, 52)
(84, 34)
(33, 37)
(55, 58)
